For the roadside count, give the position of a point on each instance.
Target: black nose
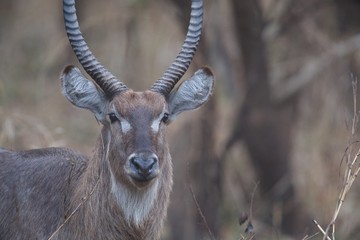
(144, 166)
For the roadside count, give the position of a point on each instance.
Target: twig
(310, 237)
(321, 229)
(198, 208)
(355, 118)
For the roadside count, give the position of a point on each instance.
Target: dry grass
(351, 171)
(18, 130)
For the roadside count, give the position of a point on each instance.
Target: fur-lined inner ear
(192, 93)
(82, 92)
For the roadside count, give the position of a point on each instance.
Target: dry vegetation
(309, 56)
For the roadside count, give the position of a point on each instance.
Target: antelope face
(136, 121)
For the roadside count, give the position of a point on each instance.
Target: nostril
(152, 161)
(136, 163)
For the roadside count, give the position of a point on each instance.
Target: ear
(82, 92)
(192, 93)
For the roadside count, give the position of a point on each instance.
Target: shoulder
(43, 158)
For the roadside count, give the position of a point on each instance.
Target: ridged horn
(106, 81)
(177, 69)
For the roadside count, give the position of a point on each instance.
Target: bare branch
(315, 66)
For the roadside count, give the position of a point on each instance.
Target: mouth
(143, 178)
(140, 178)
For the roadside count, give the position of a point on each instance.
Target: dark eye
(165, 118)
(113, 118)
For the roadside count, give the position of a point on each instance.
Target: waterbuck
(122, 191)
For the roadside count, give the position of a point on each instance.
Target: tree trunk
(264, 126)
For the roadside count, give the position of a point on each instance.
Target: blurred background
(268, 147)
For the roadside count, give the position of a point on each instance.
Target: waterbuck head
(135, 122)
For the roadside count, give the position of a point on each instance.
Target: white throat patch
(136, 205)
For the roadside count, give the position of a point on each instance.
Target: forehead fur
(130, 101)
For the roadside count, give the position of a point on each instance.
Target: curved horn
(106, 81)
(177, 69)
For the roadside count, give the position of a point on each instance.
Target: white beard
(136, 205)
